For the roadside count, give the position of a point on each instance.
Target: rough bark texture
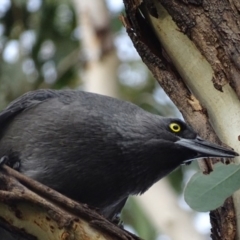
(223, 222)
(213, 26)
(30, 207)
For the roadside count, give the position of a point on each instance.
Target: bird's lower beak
(204, 148)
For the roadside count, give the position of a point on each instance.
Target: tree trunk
(192, 49)
(101, 62)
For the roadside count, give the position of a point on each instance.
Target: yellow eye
(175, 127)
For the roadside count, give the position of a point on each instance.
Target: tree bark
(99, 54)
(31, 210)
(192, 49)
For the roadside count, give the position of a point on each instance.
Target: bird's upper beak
(204, 148)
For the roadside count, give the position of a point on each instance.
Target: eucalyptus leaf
(208, 192)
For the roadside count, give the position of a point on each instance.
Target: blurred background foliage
(40, 47)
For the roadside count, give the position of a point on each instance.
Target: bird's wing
(24, 102)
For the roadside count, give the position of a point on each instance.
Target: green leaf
(208, 192)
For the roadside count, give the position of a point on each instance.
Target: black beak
(206, 149)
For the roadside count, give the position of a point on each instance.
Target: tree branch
(29, 209)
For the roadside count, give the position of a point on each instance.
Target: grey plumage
(64, 138)
(95, 149)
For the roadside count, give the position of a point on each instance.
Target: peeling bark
(30, 209)
(213, 26)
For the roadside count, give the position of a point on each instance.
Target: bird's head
(185, 139)
(166, 143)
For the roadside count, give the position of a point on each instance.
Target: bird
(96, 149)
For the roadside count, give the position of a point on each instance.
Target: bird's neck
(148, 164)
